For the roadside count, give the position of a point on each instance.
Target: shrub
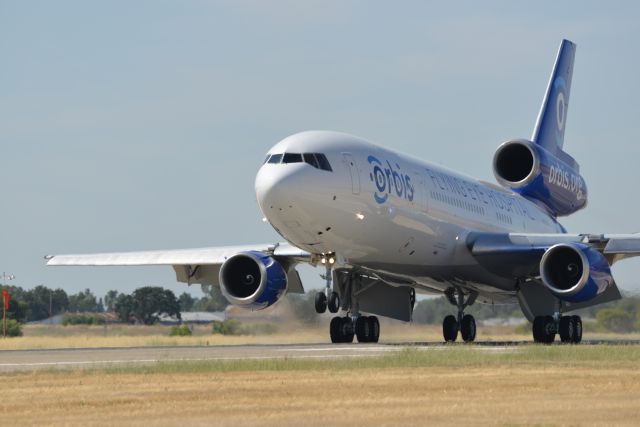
(14, 328)
(180, 331)
(82, 319)
(615, 320)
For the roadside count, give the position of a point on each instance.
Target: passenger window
(311, 159)
(275, 158)
(292, 158)
(323, 162)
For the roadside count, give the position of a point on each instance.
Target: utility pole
(5, 277)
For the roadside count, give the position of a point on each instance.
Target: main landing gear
(342, 329)
(569, 328)
(463, 323)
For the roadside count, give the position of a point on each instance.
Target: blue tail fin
(552, 119)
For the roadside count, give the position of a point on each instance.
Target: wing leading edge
(200, 265)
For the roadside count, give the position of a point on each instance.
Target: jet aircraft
(386, 226)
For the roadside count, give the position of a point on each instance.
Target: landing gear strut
(327, 298)
(465, 323)
(569, 328)
(343, 329)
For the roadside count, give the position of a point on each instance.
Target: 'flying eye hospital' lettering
(389, 180)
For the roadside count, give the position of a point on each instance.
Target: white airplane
(385, 225)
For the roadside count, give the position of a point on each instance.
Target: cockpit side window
(292, 158)
(311, 159)
(323, 162)
(275, 158)
(266, 159)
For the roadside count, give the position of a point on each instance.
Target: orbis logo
(388, 180)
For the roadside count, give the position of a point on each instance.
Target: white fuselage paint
(409, 218)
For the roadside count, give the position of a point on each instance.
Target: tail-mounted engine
(533, 172)
(252, 280)
(575, 272)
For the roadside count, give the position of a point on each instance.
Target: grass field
(532, 385)
(80, 336)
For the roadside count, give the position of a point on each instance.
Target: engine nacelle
(535, 173)
(575, 272)
(252, 280)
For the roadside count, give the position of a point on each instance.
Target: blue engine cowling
(252, 280)
(533, 172)
(575, 272)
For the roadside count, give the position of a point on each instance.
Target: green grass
(454, 357)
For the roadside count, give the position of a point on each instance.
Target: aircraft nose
(277, 186)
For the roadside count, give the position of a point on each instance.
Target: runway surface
(26, 360)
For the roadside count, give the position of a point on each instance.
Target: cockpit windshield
(317, 160)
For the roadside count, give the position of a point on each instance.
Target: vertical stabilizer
(552, 119)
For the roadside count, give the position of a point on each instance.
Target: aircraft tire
(335, 330)
(363, 329)
(334, 302)
(577, 331)
(374, 329)
(450, 328)
(468, 328)
(347, 330)
(549, 332)
(567, 329)
(321, 302)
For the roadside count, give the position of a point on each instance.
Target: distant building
(194, 317)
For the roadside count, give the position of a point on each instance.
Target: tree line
(144, 305)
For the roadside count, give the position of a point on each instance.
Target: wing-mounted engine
(575, 272)
(552, 180)
(252, 280)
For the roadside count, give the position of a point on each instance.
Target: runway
(75, 358)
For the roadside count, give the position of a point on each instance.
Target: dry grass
(80, 336)
(565, 385)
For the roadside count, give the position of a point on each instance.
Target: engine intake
(575, 272)
(533, 172)
(252, 280)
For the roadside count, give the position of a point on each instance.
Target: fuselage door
(353, 172)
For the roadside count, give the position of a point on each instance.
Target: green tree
(186, 301)
(124, 307)
(110, 300)
(615, 319)
(212, 301)
(150, 302)
(18, 308)
(41, 298)
(83, 301)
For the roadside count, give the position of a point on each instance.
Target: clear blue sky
(140, 125)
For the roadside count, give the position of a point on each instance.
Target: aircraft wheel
(374, 329)
(363, 330)
(450, 328)
(347, 329)
(321, 302)
(538, 329)
(334, 302)
(468, 328)
(577, 329)
(549, 329)
(335, 330)
(567, 329)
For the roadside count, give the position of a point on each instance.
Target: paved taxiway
(25, 360)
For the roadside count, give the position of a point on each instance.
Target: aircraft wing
(519, 254)
(200, 265)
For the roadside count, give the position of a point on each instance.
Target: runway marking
(203, 359)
